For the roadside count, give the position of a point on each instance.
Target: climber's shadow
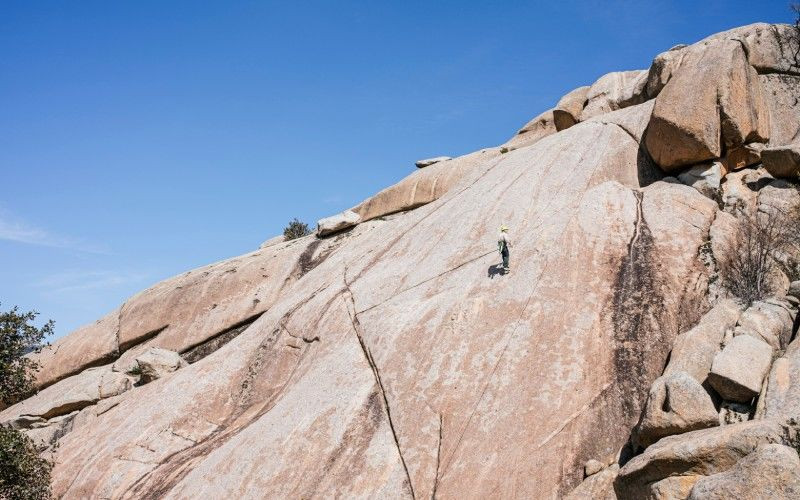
(494, 270)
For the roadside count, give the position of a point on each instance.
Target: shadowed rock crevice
(200, 351)
(379, 382)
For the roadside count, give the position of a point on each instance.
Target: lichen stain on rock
(637, 305)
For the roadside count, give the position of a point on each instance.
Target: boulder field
(389, 355)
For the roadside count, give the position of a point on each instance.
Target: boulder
(599, 486)
(338, 222)
(739, 369)
(780, 92)
(633, 120)
(705, 177)
(743, 156)
(539, 127)
(771, 471)
(672, 466)
(778, 197)
(428, 184)
(693, 352)
(782, 396)
(677, 403)
(713, 102)
(613, 91)
(740, 189)
(70, 394)
(782, 161)
(155, 362)
(662, 68)
(769, 321)
(568, 110)
(592, 467)
(770, 47)
(430, 161)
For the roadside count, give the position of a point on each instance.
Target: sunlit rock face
(391, 356)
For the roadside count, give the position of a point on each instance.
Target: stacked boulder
(720, 105)
(721, 416)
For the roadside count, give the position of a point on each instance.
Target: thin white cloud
(81, 281)
(17, 230)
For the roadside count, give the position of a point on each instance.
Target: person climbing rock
(502, 245)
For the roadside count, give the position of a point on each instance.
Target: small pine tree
(24, 474)
(17, 338)
(296, 229)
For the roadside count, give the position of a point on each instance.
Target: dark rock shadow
(647, 169)
(494, 270)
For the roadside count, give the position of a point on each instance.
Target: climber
(502, 245)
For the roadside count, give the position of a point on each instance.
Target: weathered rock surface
(155, 362)
(743, 156)
(541, 126)
(672, 466)
(337, 223)
(770, 47)
(739, 369)
(705, 177)
(392, 360)
(592, 467)
(614, 91)
(780, 92)
(693, 352)
(782, 161)
(662, 68)
(782, 396)
(712, 101)
(768, 320)
(568, 110)
(599, 486)
(91, 345)
(771, 471)
(73, 393)
(391, 355)
(430, 161)
(677, 403)
(273, 241)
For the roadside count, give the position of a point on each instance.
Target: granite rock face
(388, 355)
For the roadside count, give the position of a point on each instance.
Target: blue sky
(142, 139)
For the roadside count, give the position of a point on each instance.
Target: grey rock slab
(568, 110)
(770, 321)
(782, 396)
(739, 369)
(673, 465)
(599, 486)
(338, 222)
(155, 363)
(427, 162)
(705, 177)
(677, 403)
(772, 471)
(782, 161)
(693, 351)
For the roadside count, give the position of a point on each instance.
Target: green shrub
(17, 338)
(296, 229)
(23, 474)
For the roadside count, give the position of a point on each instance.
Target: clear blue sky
(142, 139)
